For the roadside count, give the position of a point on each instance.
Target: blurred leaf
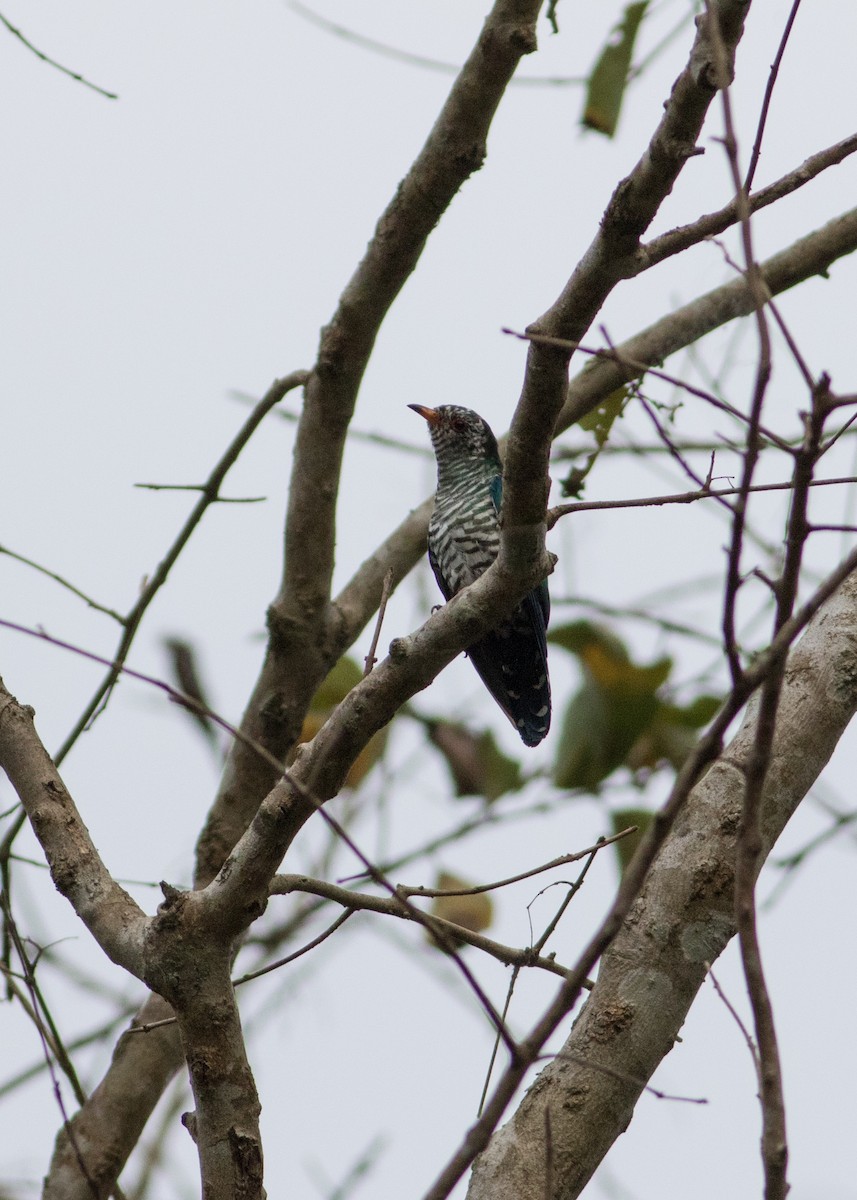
(599, 728)
(339, 682)
(605, 658)
(696, 714)
(621, 675)
(184, 669)
(476, 763)
(471, 912)
(609, 77)
(672, 734)
(598, 422)
(622, 818)
(344, 676)
(615, 706)
(578, 634)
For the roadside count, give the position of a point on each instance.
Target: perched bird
(463, 541)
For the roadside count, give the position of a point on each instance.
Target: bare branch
(52, 62)
(210, 494)
(703, 493)
(806, 257)
(684, 916)
(382, 608)
(112, 917)
(710, 225)
(419, 60)
(609, 258)
(769, 91)
(75, 591)
(563, 860)
(395, 907)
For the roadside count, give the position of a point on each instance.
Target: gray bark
(681, 922)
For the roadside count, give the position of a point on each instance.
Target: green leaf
(598, 422)
(622, 818)
(608, 80)
(615, 707)
(617, 717)
(598, 730)
(339, 682)
(576, 635)
(336, 686)
(606, 660)
(696, 714)
(672, 734)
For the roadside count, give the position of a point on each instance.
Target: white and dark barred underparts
(464, 540)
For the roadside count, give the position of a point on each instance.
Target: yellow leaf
(474, 912)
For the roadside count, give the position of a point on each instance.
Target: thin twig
(282, 962)
(703, 493)
(51, 1044)
(397, 906)
(199, 487)
(210, 495)
(386, 588)
(733, 1012)
(749, 847)
(636, 367)
(28, 562)
(419, 60)
(581, 1061)
(52, 62)
(537, 948)
(562, 861)
(711, 224)
(766, 102)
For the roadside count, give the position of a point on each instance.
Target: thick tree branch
(306, 631)
(712, 224)
(683, 919)
(610, 257)
(455, 148)
(189, 964)
(117, 1111)
(115, 921)
(808, 256)
(321, 765)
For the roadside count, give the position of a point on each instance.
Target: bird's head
(458, 432)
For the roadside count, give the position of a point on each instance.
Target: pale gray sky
(191, 238)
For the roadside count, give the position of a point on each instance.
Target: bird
(463, 541)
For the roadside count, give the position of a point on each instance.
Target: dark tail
(512, 663)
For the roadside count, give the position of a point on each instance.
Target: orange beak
(429, 414)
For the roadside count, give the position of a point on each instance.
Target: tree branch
(807, 257)
(682, 920)
(712, 224)
(112, 917)
(510, 956)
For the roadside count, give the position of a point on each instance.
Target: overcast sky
(165, 250)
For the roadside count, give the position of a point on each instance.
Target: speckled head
(458, 431)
